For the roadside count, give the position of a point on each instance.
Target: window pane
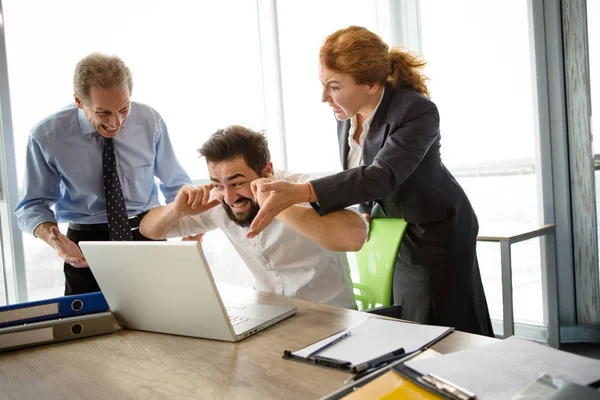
(593, 8)
(312, 144)
(502, 210)
(480, 78)
(45, 278)
(478, 56)
(182, 55)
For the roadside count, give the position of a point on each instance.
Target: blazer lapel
(378, 130)
(374, 142)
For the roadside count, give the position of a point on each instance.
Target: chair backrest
(376, 261)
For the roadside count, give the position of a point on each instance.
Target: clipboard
(504, 367)
(346, 365)
(373, 342)
(382, 384)
(434, 384)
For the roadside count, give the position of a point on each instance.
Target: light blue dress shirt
(64, 168)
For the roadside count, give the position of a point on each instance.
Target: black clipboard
(338, 364)
(347, 366)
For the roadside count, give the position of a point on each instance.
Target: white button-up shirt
(283, 261)
(355, 154)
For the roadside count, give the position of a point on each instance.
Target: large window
(311, 133)
(206, 65)
(199, 66)
(478, 56)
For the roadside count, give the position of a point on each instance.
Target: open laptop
(167, 287)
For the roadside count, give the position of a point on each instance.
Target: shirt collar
(84, 123)
(367, 121)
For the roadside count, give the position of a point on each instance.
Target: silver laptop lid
(162, 287)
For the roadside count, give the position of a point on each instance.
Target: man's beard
(247, 220)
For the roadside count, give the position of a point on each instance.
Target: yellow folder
(391, 386)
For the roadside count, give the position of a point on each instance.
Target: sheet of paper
(375, 337)
(501, 370)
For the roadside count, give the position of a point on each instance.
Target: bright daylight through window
(200, 65)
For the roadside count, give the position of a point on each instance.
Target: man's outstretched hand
(66, 248)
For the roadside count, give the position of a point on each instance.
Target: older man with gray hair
(95, 161)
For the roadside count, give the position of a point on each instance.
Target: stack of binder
(54, 320)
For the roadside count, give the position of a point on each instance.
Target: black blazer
(404, 174)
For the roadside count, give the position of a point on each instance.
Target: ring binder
(60, 307)
(54, 331)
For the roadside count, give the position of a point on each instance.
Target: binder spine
(82, 304)
(31, 312)
(61, 307)
(60, 330)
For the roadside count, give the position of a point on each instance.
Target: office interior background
(516, 84)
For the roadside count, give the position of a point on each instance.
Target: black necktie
(118, 222)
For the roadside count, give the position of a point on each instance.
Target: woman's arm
(401, 154)
(343, 230)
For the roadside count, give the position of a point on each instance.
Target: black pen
(385, 362)
(327, 345)
(369, 364)
(374, 367)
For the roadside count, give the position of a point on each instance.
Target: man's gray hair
(101, 71)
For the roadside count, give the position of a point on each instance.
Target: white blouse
(355, 155)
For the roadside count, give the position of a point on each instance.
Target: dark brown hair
(235, 141)
(361, 53)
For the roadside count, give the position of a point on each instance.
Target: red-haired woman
(389, 136)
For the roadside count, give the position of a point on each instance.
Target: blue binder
(60, 307)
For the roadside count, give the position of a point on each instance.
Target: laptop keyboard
(237, 320)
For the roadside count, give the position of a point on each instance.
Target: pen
(371, 363)
(327, 345)
(385, 362)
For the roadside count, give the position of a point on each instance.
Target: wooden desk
(141, 365)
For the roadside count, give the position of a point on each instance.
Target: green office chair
(376, 261)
